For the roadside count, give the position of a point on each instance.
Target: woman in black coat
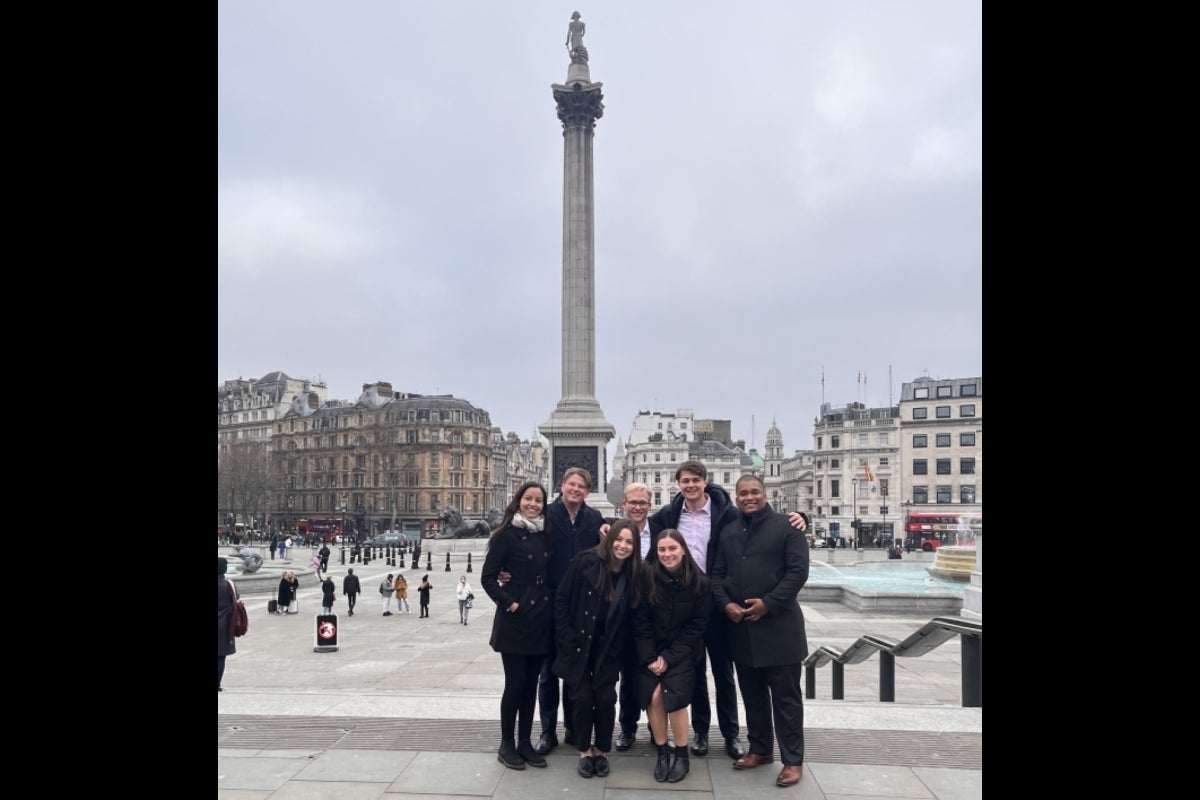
(287, 592)
(523, 622)
(668, 632)
(592, 626)
(225, 600)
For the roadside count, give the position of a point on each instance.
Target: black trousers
(768, 691)
(716, 642)
(630, 713)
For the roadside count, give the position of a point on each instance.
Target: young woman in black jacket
(522, 625)
(592, 627)
(668, 631)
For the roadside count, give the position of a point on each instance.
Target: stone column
(577, 430)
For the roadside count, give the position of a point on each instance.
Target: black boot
(509, 757)
(680, 766)
(663, 766)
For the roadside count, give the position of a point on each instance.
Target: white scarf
(534, 525)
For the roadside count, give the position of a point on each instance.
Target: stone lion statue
(453, 526)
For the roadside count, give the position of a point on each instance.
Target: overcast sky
(783, 190)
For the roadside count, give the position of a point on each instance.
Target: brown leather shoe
(789, 776)
(752, 760)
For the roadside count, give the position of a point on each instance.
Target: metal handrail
(931, 635)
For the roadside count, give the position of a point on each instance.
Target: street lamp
(907, 541)
(854, 510)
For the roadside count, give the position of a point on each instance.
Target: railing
(933, 634)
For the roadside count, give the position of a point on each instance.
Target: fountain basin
(953, 563)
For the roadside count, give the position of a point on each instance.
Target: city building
(941, 424)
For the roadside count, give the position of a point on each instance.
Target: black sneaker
(626, 740)
(587, 767)
(525, 750)
(509, 757)
(600, 765)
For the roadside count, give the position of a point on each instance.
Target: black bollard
(447, 561)
(469, 563)
(401, 558)
(429, 561)
(343, 554)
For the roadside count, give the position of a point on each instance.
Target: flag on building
(867, 469)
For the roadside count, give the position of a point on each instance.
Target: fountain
(956, 562)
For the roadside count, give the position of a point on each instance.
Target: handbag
(239, 623)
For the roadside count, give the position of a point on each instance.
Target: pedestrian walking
(351, 588)
(327, 595)
(324, 554)
(423, 592)
(466, 598)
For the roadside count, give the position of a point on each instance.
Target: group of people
(642, 601)
(397, 586)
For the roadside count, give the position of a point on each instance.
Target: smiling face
(670, 553)
(637, 506)
(751, 496)
(691, 486)
(574, 490)
(532, 502)
(622, 548)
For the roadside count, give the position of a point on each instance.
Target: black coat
(225, 645)
(522, 554)
(350, 585)
(570, 538)
(287, 593)
(576, 604)
(764, 557)
(672, 627)
(327, 593)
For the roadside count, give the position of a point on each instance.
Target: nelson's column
(577, 430)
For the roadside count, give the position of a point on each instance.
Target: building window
(920, 494)
(920, 412)
(433, 435)
(412, 437)
(944, 391)
(966, 411)
(920, 466)
(943, 440)
(883, 462)
(835, 487)
(943, 466)
(433, 460)
(658, 457)
(920, 440)
(435, 477)
(943, 494)
(835, 463)
(942, 412)
(835, 442)
(966, 494)
(967, 390)
(884, 438)
(966, 466)
(819, 438)
(864, 440)
(966, 439)
(658, 477)
(921, 393)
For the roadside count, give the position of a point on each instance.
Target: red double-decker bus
(929, 530)
(326, 529)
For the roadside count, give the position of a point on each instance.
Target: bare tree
(245, 485)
